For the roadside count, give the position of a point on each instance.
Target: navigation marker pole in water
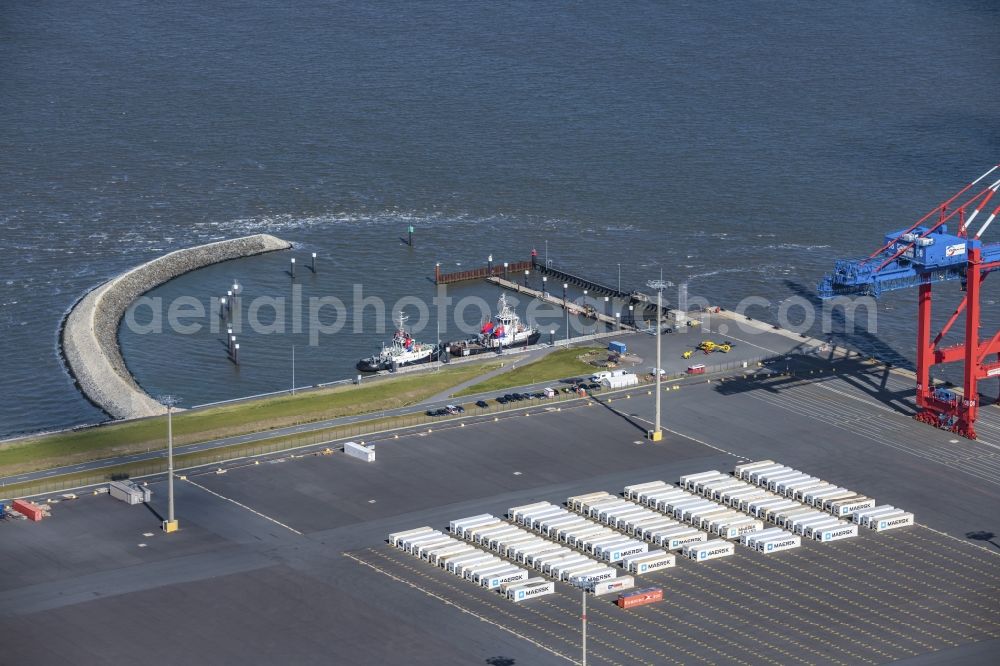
(291, 271)
(409, 235)
(222, 308)
(236, 352)
(312, 266)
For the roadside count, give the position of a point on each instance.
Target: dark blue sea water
(740, 147)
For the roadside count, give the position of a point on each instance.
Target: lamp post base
(170, 526)
(655, 435)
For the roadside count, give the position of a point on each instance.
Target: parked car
(451, 409)
(516, 396)
(539, 395)
(503, 400)
(432, 412)
(482, 404)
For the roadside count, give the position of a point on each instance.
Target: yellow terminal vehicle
(708, 346)
(687, 354)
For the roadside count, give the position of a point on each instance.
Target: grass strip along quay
(252, 416)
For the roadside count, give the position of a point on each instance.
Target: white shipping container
(749, 538)
(678, 541)
(778, 544)
(845, 531)
(755, 476)
(649, 562)
(631, 492)
(515, 512)
(849, 507)
(864, 516)
(687, 481)
(458, 527)
(810, 530)
(505, 586)
(737, 528)
(709, 550)
(577, 501)
(495, 581)
(459, 565)
(507, 569)
(616, 553)
(892, 521)
(587, 579)
(396, 537)
(360, 451)
(528, 591)
(741, 470)
(619, 584)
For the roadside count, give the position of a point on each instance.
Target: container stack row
(809, 492)
(644, 524)
(555, 525)
(471, 563)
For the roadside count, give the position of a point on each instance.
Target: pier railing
(482, 272)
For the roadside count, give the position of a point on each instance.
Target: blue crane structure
(920, 256)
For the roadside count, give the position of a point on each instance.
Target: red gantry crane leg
(919, 256)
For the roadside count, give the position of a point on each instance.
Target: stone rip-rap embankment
(90, 331)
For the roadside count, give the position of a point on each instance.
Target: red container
(641, 597)
(696, 369)
(29, 509)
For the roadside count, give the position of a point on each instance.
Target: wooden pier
(481, 273)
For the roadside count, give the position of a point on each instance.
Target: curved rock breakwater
(90, 331)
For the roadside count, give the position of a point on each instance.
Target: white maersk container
(563, 571)
(677, 541)
(646, 530)
(506, 568)
(800, 491)
(430, 553)
(599, 509)
(778, 543)
(843, 531)
(516, 550)
(540, 560)
(737, 498)
(360, 451)
(617, 552)
(564, 532)
(619, 519)
(703, 519)
(892, 521)
(737, 528)
(619, 584)
(850, 506)
(653, 518)
(526, 591)
(719, 491)
(505, 586)
(709, 550)
(648, 562)
(526, 555)
(799, 521)
(587, 579)
(495, 581)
